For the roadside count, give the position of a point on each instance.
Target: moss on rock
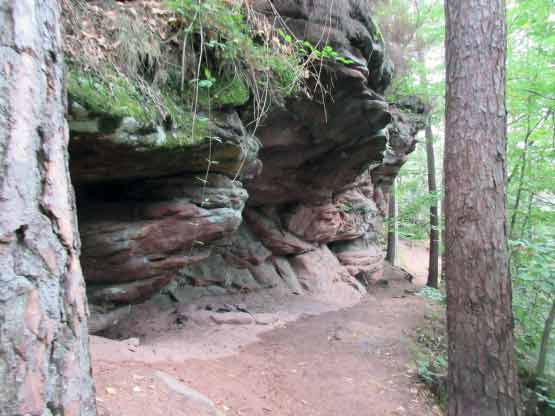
(111, 98)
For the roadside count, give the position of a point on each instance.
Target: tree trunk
(433, 268)
(44, 357)
(532, 405)
(521, 181)
(392, 228)
(526, 221)
(482, 377)
(542, 358)
(433, 260)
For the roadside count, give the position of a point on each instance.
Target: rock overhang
(311, 179)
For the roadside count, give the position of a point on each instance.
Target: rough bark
(433, 269)
(392, 228)
(44, 358)
(482, 379)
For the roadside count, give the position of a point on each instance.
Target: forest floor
(303, 358)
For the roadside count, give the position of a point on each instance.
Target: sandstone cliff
(294, 199)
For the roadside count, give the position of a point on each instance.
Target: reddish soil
(354, 361)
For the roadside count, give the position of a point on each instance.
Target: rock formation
(297, 204)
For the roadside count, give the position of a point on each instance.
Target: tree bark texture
(391, 254)
(44, 358)
(482, 379)
(433, 268)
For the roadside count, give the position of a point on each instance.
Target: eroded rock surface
(296, 205)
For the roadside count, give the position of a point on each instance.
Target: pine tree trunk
(392, 227)
(482, 377)
(44, 357)
(433, 268)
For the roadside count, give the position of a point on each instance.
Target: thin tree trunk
(482, 376)
(520, 182)
(433, 268)
(532, 405)
(523, 165)
(528, 214)
(391, 255)
(524, 228)
(44, 357)
(542, 358)
(433, 260)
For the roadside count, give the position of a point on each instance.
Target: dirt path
(350, 362)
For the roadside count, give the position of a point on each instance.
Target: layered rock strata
(298, 204)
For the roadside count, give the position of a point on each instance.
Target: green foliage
(231, 92)
(430, 353)
(433, 294)
(346, 207)
(243, 56)
(531, 190)
(413, 198)
(433, 371)
(531, 105)
(544, 398)
(417, 29)
(236, 57)
(326, 53)
(533, 270)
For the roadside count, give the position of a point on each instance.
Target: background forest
(417, 35)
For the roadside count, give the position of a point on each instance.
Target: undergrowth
(430, 352)
(430, 349)
(234, 48)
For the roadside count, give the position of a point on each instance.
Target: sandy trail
(318, 362)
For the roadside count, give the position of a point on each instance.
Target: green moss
(109, 94)
(233, 92)
(376, 33)
(287, 74)
(185, 136)
(115, 96)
